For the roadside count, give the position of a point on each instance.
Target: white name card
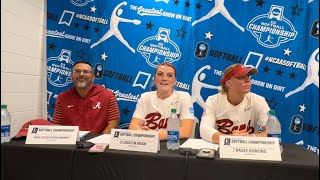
(38, 134)
(134, 140)
(245, 147)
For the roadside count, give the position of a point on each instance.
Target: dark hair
(82, 62)
(167, 64)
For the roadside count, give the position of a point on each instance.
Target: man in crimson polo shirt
(90, 106)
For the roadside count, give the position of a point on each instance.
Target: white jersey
(221, 116)
(155, 112)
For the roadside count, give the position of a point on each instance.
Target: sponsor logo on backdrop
(66, 17)
(92, 19)
(198, 84)
(115, 19)
(296, 124)
(315, 29)
(313, 148)
(181, 85)
(219, 7)
(284, 62)
(116, 75)
(80, 2)
(159, 49)
(201, 50)
(311, 128)
(63, 34)
(253, 59)
(225, 56)
(98, 70)
(142, 79)
(59, 69)
(125, 96)
(272, 29)
(142, 11)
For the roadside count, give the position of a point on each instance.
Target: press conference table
(64, 162)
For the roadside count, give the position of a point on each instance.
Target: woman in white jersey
(153, 108)
(234, 110)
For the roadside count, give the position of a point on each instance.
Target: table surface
(23, 161)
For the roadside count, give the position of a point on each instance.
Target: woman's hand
(239, 133)
(145, 128)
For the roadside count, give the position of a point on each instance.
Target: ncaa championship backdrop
(126, 40)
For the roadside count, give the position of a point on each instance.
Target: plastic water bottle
(5, 124)
(153, 86)
(274, 127)
(173, 127)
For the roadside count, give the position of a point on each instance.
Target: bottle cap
(173, 110)
(272, 112)
(3, 106)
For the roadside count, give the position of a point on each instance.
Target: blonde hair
(225, 72)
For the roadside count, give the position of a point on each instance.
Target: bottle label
(173, 136)
(5, 130)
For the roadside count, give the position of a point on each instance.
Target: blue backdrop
(126, 40)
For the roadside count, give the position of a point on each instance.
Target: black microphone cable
(186, 152)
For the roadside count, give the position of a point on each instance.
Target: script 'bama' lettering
(154, 121)
(224, 126)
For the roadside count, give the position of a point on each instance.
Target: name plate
(38, 134)
(245, 147)
(134, 140)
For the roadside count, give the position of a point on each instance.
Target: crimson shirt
(90, 113)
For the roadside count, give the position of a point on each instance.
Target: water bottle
(274, 127)
(173, 127)
(153, 86)
(5, 124)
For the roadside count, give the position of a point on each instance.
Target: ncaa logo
(159, 48)
(315, 29)
(98, 70)
(296, 124)
(80, 2)
(59, 69)
(272, 29)
(201, 50)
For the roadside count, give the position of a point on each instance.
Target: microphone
(187, 151)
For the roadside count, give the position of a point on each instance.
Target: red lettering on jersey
(224, 126)
(250, 129)
(152, 121)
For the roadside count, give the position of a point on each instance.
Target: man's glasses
(84, 72)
